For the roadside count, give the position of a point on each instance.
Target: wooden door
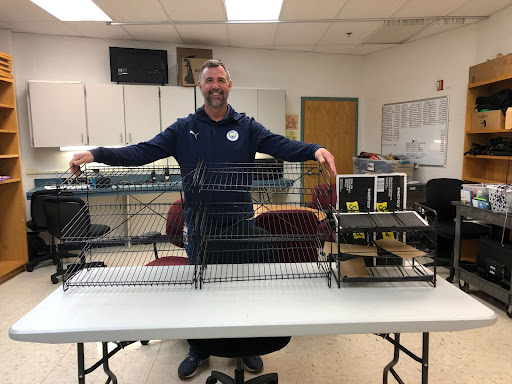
(332, 123)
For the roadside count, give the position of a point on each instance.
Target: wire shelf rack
(231, 235)
(397, 246)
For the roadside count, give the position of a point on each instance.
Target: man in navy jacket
(215, 133)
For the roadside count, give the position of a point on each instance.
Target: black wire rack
(398, 246)
(241, 222)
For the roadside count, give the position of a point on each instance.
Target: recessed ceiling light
(73, 10)
(251, 10)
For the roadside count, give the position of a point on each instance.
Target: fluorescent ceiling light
(253, 9)
(73, 10)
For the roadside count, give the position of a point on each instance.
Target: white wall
(410, 71)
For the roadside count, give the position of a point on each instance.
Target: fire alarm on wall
(439, 85)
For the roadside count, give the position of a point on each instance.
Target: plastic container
(362, 165)
(476, 195)
(499, 197)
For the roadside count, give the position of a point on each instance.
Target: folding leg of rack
(104, 361)
(396, 355)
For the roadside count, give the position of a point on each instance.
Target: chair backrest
(325, 195)
(38, 218)
(440, 193)
(66, 216)
(174, 224)
(301, 226)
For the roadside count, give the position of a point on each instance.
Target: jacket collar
(232, 115)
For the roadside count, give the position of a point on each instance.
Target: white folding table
(249, 309)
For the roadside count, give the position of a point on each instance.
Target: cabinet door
(57, 114)
(271, 109)
(244, 100)
(105, 114)
(142, 112)
(175, 102)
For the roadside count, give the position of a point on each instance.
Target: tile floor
(477, 356)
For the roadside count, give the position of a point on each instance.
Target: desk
(470, 277)
(268, 308)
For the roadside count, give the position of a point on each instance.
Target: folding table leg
(111, 377)
(81, 364)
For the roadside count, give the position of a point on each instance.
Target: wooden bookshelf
(486, 169)
(13, 239)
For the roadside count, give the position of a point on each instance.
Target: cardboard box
(487, 120)
(490, 69)
(191, 53)
(190, 71)
(508, 118)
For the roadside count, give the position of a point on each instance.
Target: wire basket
(498, 198)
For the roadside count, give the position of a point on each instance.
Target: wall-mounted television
(132, 65)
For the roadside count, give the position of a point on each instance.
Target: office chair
(174, 231)
(37, 225)
(69, 216)
(240, 348)
(324, 195)
(439, 194)
(296, 230)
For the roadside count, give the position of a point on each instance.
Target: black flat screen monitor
(132, 65)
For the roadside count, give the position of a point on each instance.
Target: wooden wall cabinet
(485, 169)
(13, 240)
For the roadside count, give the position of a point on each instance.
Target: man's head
(214, 83)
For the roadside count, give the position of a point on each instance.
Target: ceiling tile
(422, 8)
(481, 8)
(439, 27)
(24, 10)
(335, 48)
(337, 32)
(163, 33)
(307, 9)
(195, 10)
(300, 33)
(44, 27)
(395, 33)
(366, 49)
(98, 29)
(132, 10)
(206, 34)
(296, 48)
(370, 8)
(251, 34)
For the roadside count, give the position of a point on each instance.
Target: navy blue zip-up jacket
(235, 139)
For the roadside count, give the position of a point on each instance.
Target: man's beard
(215, 102)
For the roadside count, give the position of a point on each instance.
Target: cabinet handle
(82, 138)
(130, 135)
(122, 142)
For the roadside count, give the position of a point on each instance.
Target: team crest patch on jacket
(232, 135)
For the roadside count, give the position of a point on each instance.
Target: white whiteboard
(416, 129)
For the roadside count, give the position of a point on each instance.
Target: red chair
(174, 231)
(294, 234)
(324, 195)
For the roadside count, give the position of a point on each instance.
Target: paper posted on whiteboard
(417, 130)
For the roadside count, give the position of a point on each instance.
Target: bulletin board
(416, 129)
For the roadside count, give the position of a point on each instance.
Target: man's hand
(79, 159)
(324, 156)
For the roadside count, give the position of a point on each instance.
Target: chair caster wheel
(54, 280)
(30, 268)
(508, 310)
(463, 286)
(211, 380)
(449, 279)
(144, 342)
